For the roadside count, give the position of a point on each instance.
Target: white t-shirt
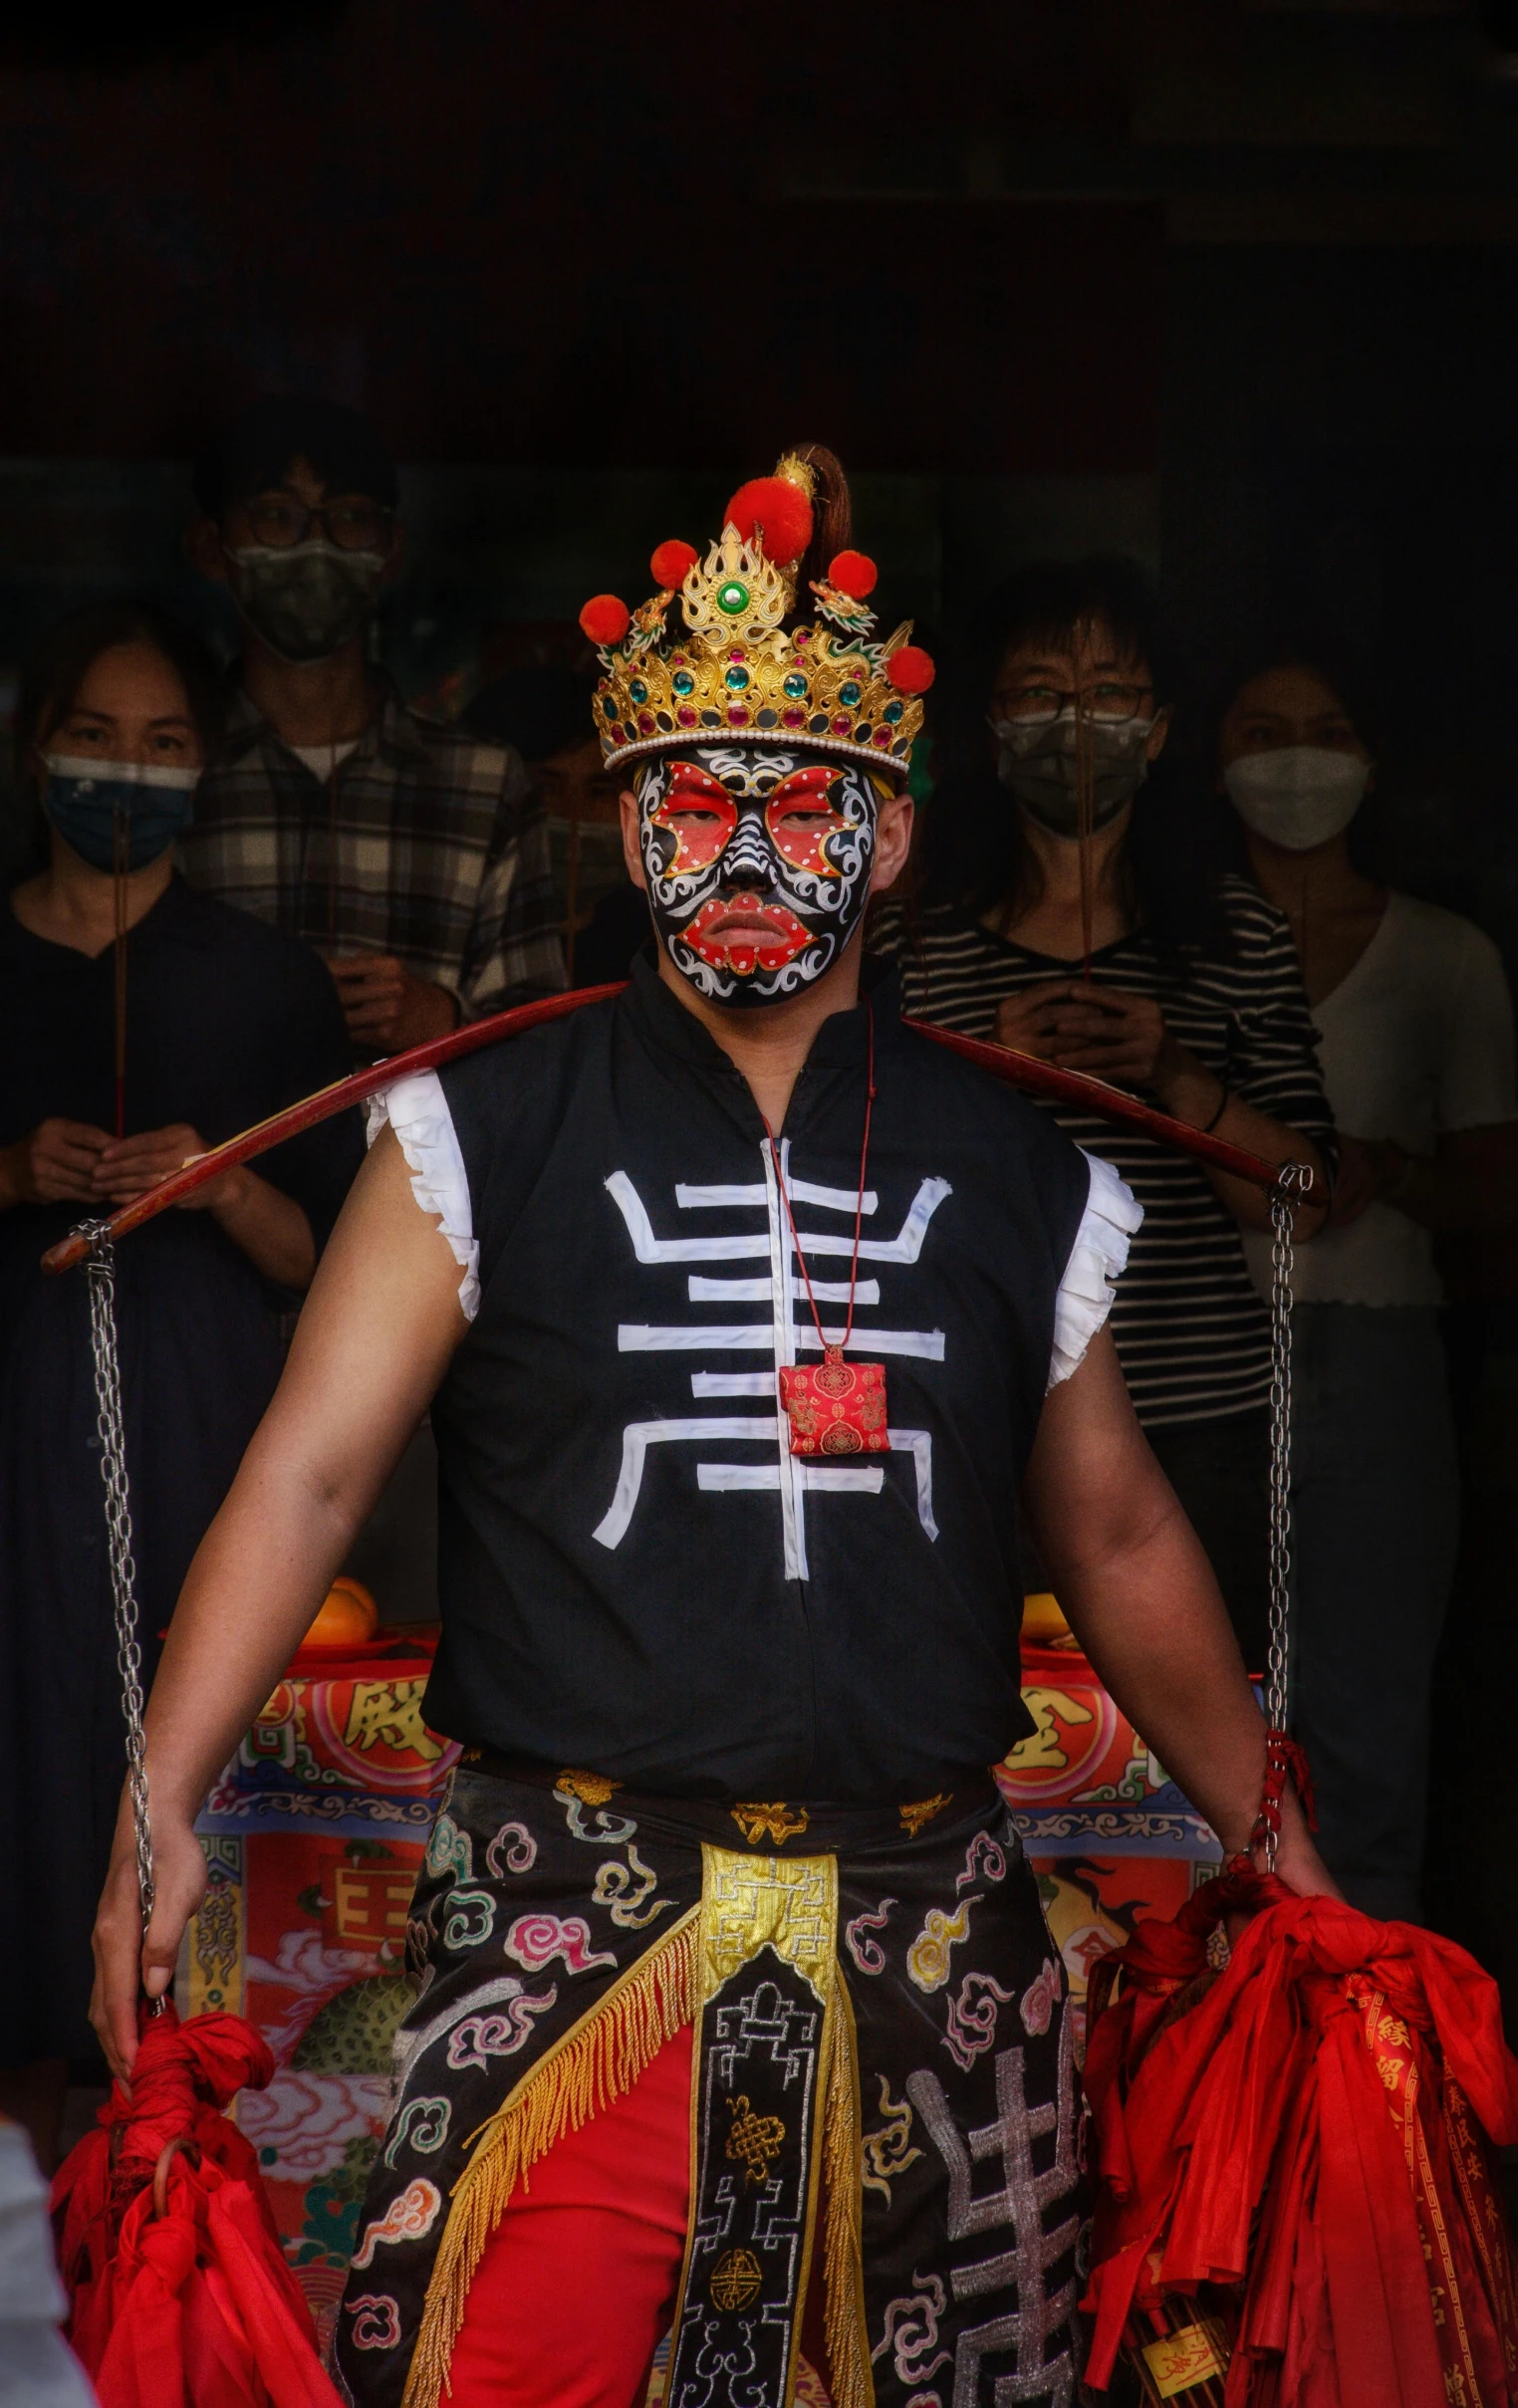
(323, 758)
(1415, 1041)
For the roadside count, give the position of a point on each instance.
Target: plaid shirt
(426, 843)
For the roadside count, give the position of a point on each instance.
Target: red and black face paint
(758, 866)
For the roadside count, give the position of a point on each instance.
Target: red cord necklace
(839, 1407)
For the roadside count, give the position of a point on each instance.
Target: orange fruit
(1043, 1622)
(348, 1615)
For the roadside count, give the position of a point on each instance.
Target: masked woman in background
(143, 1022)
(1065, 909)
(1416, 1033)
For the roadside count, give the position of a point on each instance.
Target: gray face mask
(1037, 763)
(306, 600)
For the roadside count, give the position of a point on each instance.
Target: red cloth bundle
(180, 2296)
(1304, 2132)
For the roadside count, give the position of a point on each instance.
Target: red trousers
(576, 2286)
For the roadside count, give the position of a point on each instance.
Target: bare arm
(372, 1343)
(271, 1230)
(1140, 1596)
(1192, 1094)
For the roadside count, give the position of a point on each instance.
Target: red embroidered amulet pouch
(837, 1410)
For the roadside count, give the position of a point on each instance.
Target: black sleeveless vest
(635, 1573)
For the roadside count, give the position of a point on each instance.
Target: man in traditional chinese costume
(757, 1332)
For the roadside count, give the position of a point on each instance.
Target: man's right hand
(125, 1962)
(54, 1165)
(385, 1005)
(1298, 1862)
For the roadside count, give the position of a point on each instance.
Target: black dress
(227, 1021)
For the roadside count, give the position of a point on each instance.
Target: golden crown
(737, 674)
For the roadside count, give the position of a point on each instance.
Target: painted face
(758, 866)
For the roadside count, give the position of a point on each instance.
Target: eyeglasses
(280, 520)
(1039, 705)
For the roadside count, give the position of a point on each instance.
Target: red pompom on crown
(910, 670)
(781, 509)
(672, 563)
(605, 618)
(854, 574)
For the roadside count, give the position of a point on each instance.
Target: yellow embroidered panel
(217, 1934)
(788, 1903)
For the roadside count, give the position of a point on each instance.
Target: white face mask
(1299, 795)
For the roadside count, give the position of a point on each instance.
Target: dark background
(1229, 284)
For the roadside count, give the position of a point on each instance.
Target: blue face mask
(83, 799)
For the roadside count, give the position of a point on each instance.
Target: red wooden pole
(1019, 1070)
(1037, 1077)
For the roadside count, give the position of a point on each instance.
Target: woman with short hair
(1068, 909)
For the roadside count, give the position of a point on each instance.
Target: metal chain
(1286, 1201)
(100, 1271)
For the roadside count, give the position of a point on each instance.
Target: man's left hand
(388, 1008)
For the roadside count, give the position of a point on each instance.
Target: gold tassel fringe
(598, 2060)
(849, 2381)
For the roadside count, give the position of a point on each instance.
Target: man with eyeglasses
(412, 855)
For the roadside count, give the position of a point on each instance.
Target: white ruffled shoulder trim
(417, 1111)
(1097, 1258)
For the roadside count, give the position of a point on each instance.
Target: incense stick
(120, 858)
(1086, 815)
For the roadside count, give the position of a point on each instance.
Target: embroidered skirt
(883, 2085)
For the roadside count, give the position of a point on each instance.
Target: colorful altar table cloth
(315, 1831)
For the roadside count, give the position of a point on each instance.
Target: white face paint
(758, 864)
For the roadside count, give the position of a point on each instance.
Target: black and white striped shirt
(1192, 1335)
